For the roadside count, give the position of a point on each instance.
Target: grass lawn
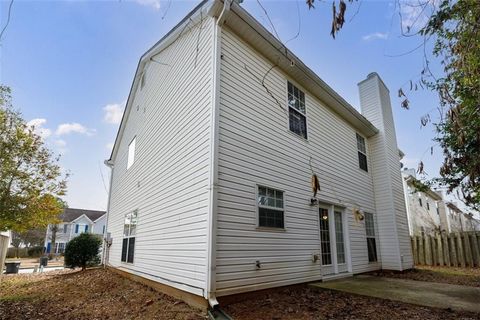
(92, 294)
(461, 276)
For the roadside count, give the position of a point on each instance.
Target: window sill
(305, 140)
(270, 229)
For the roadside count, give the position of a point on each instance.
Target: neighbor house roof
(71, 214)
(254, 33)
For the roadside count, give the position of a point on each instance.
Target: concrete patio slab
(430, 294)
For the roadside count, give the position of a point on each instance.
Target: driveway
(438, 295)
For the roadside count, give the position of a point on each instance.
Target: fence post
(468, 249)
(421, 250)
(428, 251)
(414, 249)
(461, 256)
(475, 251)
(439, 250)
(446, 252)
(453, 250)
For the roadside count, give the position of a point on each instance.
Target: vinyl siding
(388, 187)
(168, 182)
(256, 147)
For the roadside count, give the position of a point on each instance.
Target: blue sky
(70, 65)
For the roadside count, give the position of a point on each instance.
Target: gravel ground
(303, 303)
(92, 294)
(461, 276)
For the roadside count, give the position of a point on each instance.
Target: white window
(129, 232)
(270, 208)
(65, 226)
(296, 111)
(362, 153)
(131, 153)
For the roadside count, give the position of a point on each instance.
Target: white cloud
(375, 36)
(113, 113)
(109, 146)
(67, 128)
(155, 4)
(415, 16)
(37, 125)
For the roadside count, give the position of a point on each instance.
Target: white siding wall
(256, 147)
(168, 182)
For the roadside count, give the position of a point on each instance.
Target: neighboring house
(75, 222)
(458, 220)
(425, 209)
(428, 211)
(212, 166)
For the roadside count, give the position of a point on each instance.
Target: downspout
(211, 271)
(106, 249)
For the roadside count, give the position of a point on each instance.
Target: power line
(8, 19)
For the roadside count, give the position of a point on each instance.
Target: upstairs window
(129, 232)
(428, 206)
(65, 226)
(131, 153)
(362, 153)
(270, 208)
(296, 111)
(420, 202)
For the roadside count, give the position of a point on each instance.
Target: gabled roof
(71, 214)
(255, 34)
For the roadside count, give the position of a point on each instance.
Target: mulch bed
(460, 276)
(92, 294)
(304, 303)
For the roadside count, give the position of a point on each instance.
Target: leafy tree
(83, 251)
(456, 27)
(30, 177)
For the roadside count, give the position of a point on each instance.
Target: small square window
(296, 111)
(270, 208)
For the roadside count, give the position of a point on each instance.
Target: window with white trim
(129, 232)
(270, 208)
(131, 153)
(296, 111)
(371, 240)
(362, 153)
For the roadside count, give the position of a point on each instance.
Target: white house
(212, 166)
(75, 222)
(429, 212)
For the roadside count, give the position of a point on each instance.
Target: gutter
(214, 141)
(105, 250)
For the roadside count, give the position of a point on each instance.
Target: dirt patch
(92, 294)
(461, 276)
(302, 303)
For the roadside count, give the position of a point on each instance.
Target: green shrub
(35, 251)
(83, 251)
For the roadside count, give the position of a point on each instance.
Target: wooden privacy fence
(459, 249)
